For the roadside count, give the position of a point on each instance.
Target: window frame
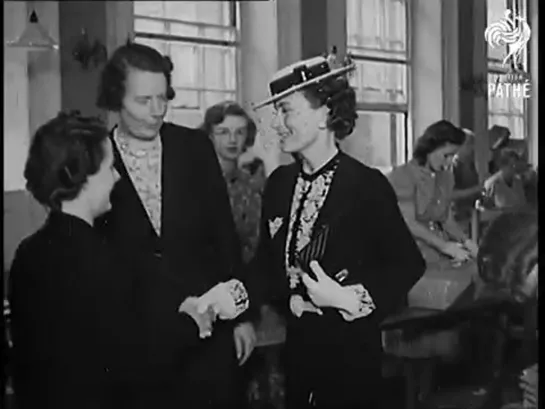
(235, 45)
(398, 154)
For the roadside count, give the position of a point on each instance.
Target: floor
(453, 389)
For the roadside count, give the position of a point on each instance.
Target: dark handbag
(314, 250)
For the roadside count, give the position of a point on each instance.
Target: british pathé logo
(513, 33)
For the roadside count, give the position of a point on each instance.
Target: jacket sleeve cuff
(239, 295)
(365, 304)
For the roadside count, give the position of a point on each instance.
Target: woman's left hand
(245, 340)
(472, 247)
(324, 291)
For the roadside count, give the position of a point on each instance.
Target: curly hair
(340, 98)
(436, 136)
(508, 252)
(131, 55)
(216, 114)
(63, 153)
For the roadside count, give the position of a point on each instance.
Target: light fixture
(35, 37)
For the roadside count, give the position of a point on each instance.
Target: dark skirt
(333, 365)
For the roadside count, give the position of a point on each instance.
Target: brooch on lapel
(274, 225)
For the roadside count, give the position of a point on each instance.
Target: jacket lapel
(179, 208)
(335, 203)
(125, 196)
(281, 208)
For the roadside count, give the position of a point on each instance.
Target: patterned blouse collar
(424, 170)
(134, 147)
(327, 166)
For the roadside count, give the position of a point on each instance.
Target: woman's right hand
(456, 251)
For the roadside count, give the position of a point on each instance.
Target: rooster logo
(511, 32)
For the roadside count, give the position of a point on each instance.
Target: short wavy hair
(508, 252)
(217, 113)
(436, 136)
(63, 153)
(337, 94)
(111, 89)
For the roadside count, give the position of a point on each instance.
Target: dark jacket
(337, 360)
(198, 248)
(77, 338)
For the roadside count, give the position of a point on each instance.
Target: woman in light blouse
(424, 188)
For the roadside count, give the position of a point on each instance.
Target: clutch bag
(314, 250)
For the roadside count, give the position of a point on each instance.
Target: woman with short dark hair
(424, 188)
(170, 224)
(77, 340)
(113, 81)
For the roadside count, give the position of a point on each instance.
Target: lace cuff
(240, 297)
(366, 305)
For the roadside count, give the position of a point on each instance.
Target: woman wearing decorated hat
(334, 250)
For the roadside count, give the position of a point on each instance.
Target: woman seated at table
(424, 188)
(505, 188)
(77, 339)
(508, 265)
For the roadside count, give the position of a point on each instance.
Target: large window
(377, 38)
(509, 112)
(201, 38)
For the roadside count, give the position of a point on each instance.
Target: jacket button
(158, 254)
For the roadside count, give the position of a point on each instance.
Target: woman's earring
(322, 125)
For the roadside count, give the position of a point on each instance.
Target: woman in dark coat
(77, 339)
(334, 249)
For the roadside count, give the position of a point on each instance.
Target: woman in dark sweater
(77, 337)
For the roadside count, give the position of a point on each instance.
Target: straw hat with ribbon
(304, 73)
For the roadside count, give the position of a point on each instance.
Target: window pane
(208, 12)
(378, 140)
(185, 57)
(204, 74)
(211, 98)
(149, 8)
(159, 45)
(506, 106)
(514, 123)
(186, 117)
(377, 25)
(380, 82)
(143, 25)
(217, 75)
(185, 99)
